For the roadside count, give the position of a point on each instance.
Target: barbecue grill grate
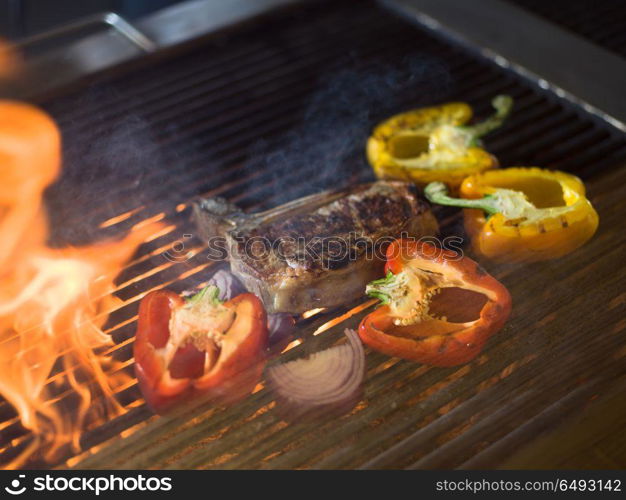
(140, 145)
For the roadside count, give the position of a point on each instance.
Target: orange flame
(53, 302)
(10, 60)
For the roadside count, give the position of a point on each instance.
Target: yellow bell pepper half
(522, 214)
(434, 143)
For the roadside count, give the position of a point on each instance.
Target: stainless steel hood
(117, 41)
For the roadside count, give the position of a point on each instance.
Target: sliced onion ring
(324, 383)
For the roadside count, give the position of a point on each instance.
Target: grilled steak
(318, 251)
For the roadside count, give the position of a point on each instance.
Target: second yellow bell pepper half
(522, 214)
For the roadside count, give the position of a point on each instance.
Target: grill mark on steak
(314, 242)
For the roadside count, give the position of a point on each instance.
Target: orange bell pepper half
(199, 347)
(439, 308)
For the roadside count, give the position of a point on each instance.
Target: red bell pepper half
(199, 347)
(439, 308)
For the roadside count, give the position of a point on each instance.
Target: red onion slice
(280, 327)
(325, 381)
(228, 285)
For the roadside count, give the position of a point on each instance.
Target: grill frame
(598, 23)
(514, 38)
(433, 386)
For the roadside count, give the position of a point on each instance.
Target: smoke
(327, 149)
(113, 166)
(104, 174)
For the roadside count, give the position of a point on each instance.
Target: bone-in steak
(318, 251)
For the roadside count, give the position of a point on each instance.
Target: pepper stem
(503, 105)
(381, 288)
(210, 293)
(437, 192)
